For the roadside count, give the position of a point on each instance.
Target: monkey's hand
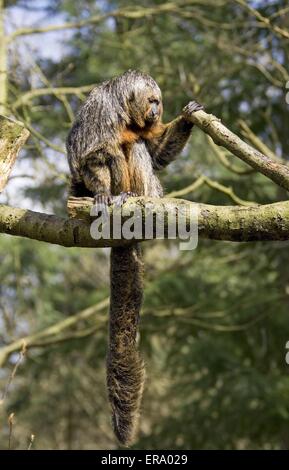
(190, 108)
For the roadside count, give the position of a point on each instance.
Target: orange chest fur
(129, 136)
(132, 177)
(127, 140)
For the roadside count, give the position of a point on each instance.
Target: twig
(38, 339)
(13, 373)
(254, 140)
(220, 154)
(56, 91)
(32, 437)
(10, 423)
(41, 137)
(212, 184)
(131, 13)
(264, 21)
(188, 189)
(228, 191)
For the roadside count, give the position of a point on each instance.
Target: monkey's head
(144, 99)
(145, 106)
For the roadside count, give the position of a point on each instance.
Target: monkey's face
(146, 107)
(153, 110)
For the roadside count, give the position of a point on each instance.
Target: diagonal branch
(254, 140)
(275, 170)
(264, 21)
(45, 336)
(223, 159)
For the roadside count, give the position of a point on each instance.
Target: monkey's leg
(96, 174)
(97, 179)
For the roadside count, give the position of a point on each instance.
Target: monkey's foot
(192, 107)
(101, 202)
(121, 198)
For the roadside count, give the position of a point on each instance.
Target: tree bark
(3, 61)
(232, 223)
(13, 136)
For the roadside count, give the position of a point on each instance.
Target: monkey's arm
(170, 143)
(165, 148)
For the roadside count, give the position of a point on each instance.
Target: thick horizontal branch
(233, 223)
(275, 170)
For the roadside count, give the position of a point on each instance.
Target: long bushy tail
(125, 367)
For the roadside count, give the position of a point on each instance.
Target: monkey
(114, 148)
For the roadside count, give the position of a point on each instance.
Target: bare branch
(264, 21)
(44, 337)
(130, 13)
(254, 140)
(222, 157)
(228, 191)
(235, 223)
(14, 370)
(188, 189)
(57, 91)
(275, 170)
(214, 185)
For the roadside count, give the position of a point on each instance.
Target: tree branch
(223, 159)
(254, 140)
(228, 191)
(58, 91)
(139, 12)
(188, 189)
(275, 170)
(234, 223)
(264, 21)
(13, 136)
(48, 334)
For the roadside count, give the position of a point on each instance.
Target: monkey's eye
(154, 100)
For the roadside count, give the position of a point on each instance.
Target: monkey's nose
(154, 110)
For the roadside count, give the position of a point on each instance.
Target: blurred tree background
(215, 321)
